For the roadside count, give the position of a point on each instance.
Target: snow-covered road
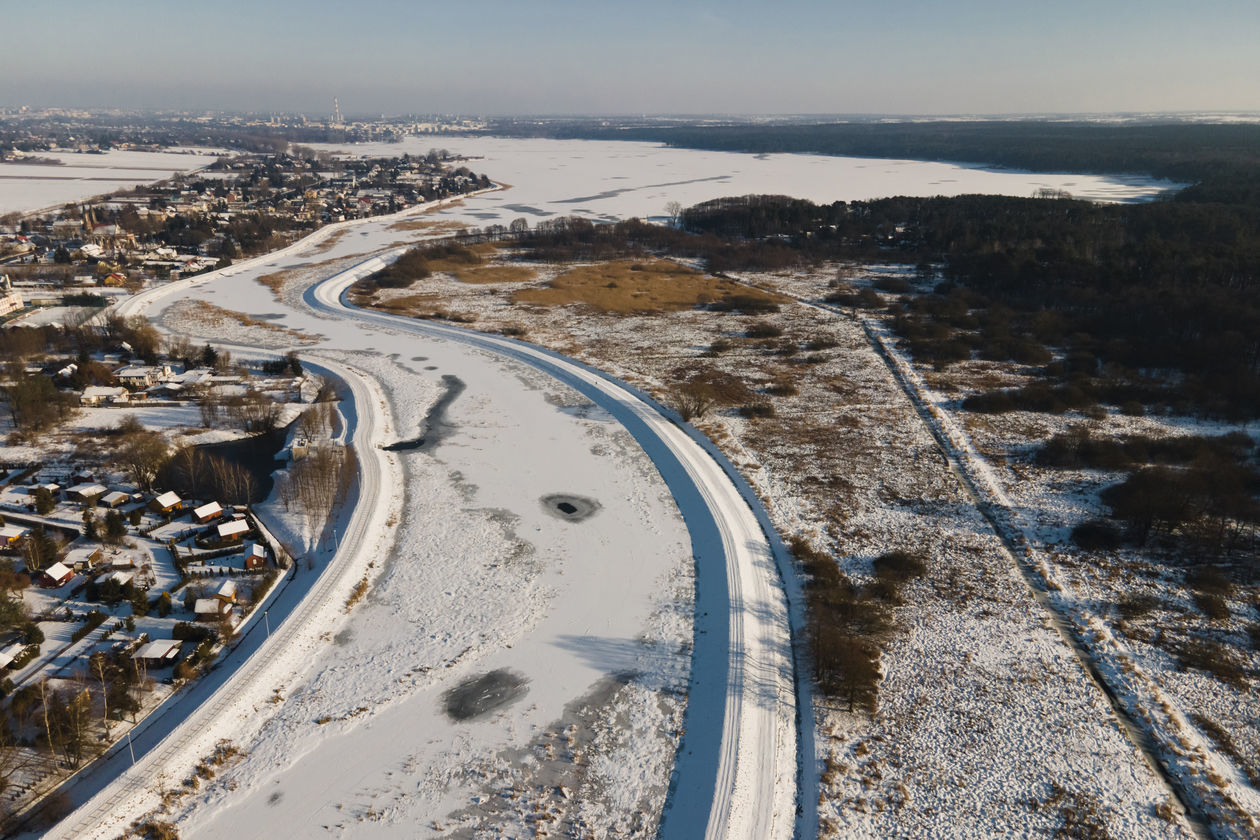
(736, 774)
(186, 726)
(745, 767)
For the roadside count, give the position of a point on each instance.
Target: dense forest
(1149, 303)
(1152, 305)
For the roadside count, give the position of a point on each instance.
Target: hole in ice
(569, 507)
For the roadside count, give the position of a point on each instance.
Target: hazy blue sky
(599, 56)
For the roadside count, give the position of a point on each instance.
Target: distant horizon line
(9, 110)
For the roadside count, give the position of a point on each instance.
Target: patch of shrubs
(892, 284)
(1211, 580)
(762, 329)
(1098, 535)
(1135, 606)
(1036, 397)
(782, 388)
(1213, 658)
(1078, 448)
(94, 619)
(899, 566)
(820, 342)
(1213, 606)
(864, 299)
(414, 265)
(719, 346)
(757, 410)
(746, 304)
(848, 624)
(185, 631)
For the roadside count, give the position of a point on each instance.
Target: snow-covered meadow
(984, 714)
(25, 187)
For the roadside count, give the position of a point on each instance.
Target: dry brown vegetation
(328, 244)
(628, 287)
(211, 315)
(483, 274)
(428, 226)
(419, 305)
(276, 280)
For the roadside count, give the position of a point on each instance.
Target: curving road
(745, 761)
(746, 764)
(165, 737)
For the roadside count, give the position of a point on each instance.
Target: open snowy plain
(25, 187)
(523, 658)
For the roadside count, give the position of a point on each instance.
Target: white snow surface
(25, 187)
(609, 180)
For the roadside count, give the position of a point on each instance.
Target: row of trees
(316, 483)
(67, 718)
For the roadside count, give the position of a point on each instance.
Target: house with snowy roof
(255, 556)
(55, 576)
(12, 534)
(157, 653)
(85, 493)
(94, 395)
(233, 531)
(166, 502)
(211, 609)
(207, 512)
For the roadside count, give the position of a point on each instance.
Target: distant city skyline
(569, 57)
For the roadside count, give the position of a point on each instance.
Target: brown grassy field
(428, 226)
(210, 314)
(419, 305)
(276, 280)
(495, 274)
(628, 287)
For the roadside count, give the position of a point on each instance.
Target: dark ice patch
(479, 696)
(570, 508)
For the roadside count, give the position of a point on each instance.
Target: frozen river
(610, 180)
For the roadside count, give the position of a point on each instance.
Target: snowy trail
(984, 491)
(736, 774)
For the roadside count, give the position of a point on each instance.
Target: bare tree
(673, 209)
(692, 400)
(188, 467)
(142, 456)
(211, 407)
(316, 482)
(100, 665)
(254, 412)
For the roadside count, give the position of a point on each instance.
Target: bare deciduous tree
(673, 209)
(142, 456)
(692, 400)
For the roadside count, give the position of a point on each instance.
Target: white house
(98, 394)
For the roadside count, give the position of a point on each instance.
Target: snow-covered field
(984, 712)
(25, 186)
